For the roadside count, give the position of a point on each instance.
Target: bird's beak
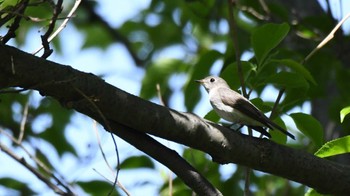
(199, 81)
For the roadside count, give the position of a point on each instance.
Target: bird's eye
(212, 79)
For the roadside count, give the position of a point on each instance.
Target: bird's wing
(243, 105)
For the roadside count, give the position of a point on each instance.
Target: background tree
(258, 45)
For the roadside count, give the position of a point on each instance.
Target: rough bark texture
(131, 117)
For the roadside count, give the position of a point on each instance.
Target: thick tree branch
(167, 157)
(123, 109)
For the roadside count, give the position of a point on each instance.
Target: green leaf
(176, 189)
(343, 113)
(276, 135)
(334, 147)
(95, 37)
(7, 103)
(45, 160)
(285, 79)
(196, 158)
(297, 67)
(230, 73)
(294, 96)
(137, 162)
(212, 116)
(97, 187)
(312, 192)
(21, 187)
(266, 38)
(259, 103)
(309, 126)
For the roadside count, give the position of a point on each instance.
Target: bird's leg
(234, 126)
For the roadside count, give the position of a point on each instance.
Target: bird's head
(212, 82)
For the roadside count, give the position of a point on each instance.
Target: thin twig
(38, 162)
(30, 18)
(326, 39)
(253, 12)
(100, 147)
(44, 38)
(106, 161)
(170, 179)
(15, 25)
(264, 6)
(106, 122)
(118, 183)
(99, 173)
(62, 26)
(23, 162)
(23, 122)
(234, 37)
(278, 99)
(159, 94)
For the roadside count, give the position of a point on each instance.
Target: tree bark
(121, 112)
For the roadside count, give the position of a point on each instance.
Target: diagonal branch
(234, 37)
(40, 164)
(23, 162)
(45, 38)
(62, 26)
(132, 115)
(21, 7)
(117, 36)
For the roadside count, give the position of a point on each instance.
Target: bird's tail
(260, 130)
(274, 125)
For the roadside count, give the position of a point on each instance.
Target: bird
(235, 108)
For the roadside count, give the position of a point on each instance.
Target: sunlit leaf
(212, 116)
(345, 111)
(312, 192)
(266, 38)
(334, 147)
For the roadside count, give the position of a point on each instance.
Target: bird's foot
(234, 126)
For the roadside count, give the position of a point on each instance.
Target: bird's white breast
(229, 113)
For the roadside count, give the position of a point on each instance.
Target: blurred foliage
(275, 38)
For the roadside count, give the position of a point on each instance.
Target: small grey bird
(233, 107)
